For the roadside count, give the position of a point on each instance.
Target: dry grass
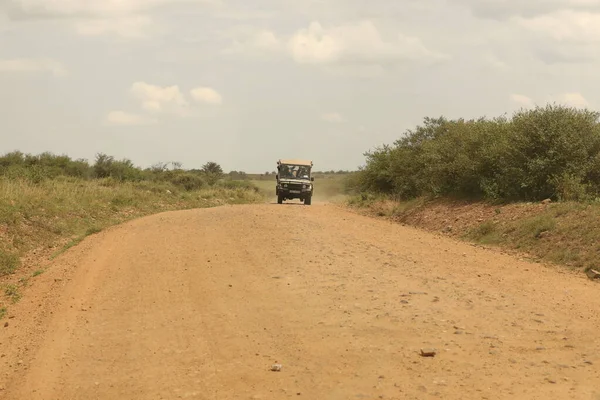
(38, 214)
(562, 233)
(53, 215)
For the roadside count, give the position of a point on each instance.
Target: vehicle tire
(279, 199)
(308, 201)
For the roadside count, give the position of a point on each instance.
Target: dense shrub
(110, 172)
(238, 176)
(121, 170)
(188, 182)
(212, 172)
(43, 166)
(549, 152)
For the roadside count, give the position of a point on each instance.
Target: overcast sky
(245, 82)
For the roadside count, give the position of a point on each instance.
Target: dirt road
(199, 305)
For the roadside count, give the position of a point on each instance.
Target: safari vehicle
(294, 181)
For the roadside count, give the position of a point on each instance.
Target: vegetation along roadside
(49, 203)
(529, 183)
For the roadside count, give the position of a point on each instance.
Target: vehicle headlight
(285, 185)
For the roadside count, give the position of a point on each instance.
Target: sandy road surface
(199, 305)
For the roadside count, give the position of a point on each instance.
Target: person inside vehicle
(302, 173)
(286, 172)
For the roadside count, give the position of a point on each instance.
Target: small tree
(159, 167)
(212, 167)
(12, 158)
(238, 175)
(102, 166)
(213, 172)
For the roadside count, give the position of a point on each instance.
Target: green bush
(37, 168)
(110, 172)
(238, 176)
(550, 152)
(123, 170)
(188, 181)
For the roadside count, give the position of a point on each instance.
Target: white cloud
(121, 118)
(333, 117)
(360, 44)
(248, 42)
(315, 45)
(503, 9)
(170, 100)
(354, 43)
(522, 100)
(155, 98)
(266, 40)
(565, 25)
(133, 27)
(33, 65)
(572, 99)
(125, 18)
(84, 8)
(492, 61)
(206, 95)
(366, 71)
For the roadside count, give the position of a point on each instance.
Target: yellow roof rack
(292, 161)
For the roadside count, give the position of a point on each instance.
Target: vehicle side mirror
(277, 177)
(312, 178)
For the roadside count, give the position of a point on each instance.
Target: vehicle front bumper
(291, 192)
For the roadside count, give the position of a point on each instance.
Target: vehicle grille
(295, 186)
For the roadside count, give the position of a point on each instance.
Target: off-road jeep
(294, 181)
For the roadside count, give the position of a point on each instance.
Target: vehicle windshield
(294, 172)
